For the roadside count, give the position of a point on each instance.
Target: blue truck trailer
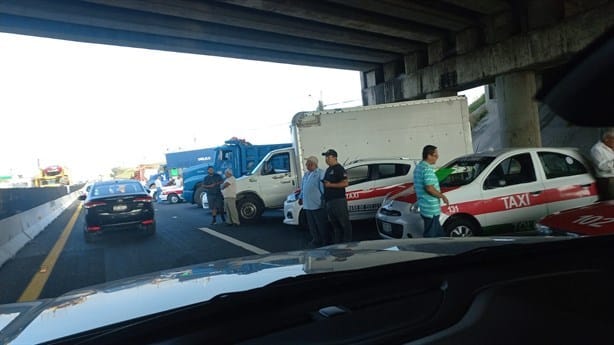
(236, 154)
(177, 162)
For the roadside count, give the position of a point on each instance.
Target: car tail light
(92, 204)
(147, 222)
(143, 199)
(93, 228)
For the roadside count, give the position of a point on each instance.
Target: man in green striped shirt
(428, 192)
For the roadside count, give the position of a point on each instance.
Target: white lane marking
(235, 241)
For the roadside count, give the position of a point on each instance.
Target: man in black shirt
(212, 184)
(335, 180)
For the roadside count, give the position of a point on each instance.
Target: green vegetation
(477, 103)
(475, 113)
(479, 116)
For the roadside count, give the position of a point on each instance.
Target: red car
(591, 220)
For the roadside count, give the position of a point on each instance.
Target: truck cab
(236, 154)
(268, 184)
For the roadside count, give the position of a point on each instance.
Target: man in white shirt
(311, 197)
(229, 191)
(158, 183)
(602, 154)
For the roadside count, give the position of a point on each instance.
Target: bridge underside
(404, 49)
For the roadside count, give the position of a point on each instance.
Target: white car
(369, 182)
(494, 192)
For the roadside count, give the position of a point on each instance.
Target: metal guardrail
(16, 200)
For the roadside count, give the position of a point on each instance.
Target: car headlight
(414, 208)
(387, 202)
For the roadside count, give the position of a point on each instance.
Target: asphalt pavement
(184, 237)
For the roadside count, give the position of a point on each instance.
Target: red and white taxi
(592, 220)
(370, 180)
(499, 191)
(172, 194)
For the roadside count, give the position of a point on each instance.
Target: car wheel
(198, 196)
(173, 198)
(461, 227)
(250, 209)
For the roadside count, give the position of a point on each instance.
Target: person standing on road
(602, 154)
(428, 192)
(229, 191)
(311, 197)
(335, 180)
(212, 183)
(158, 183)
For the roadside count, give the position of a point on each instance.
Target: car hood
(113, 302)
(590, 220)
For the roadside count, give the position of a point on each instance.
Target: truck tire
(204, 202)
(250, 209)
(198, 196)
(173, 198)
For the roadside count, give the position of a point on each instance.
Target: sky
(92, 107)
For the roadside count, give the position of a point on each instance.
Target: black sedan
(117, 205)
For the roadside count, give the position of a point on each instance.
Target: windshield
(256, 169)
(113, 115)
(462, 171)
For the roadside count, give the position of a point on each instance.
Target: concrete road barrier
(17, 230)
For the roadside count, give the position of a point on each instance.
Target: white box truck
(380, 131)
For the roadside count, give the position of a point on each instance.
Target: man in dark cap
(212, 183)
(335, 180)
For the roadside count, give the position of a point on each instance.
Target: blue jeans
(432, 228)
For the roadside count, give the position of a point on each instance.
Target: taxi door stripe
(517, 201)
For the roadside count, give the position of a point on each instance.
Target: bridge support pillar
(518, 110)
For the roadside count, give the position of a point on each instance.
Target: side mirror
(82, 197)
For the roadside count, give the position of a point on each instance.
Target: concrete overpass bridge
(404, 49)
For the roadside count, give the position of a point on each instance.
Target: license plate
(120, 208)
(386, 227)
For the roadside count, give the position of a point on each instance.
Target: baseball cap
(330, 152)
